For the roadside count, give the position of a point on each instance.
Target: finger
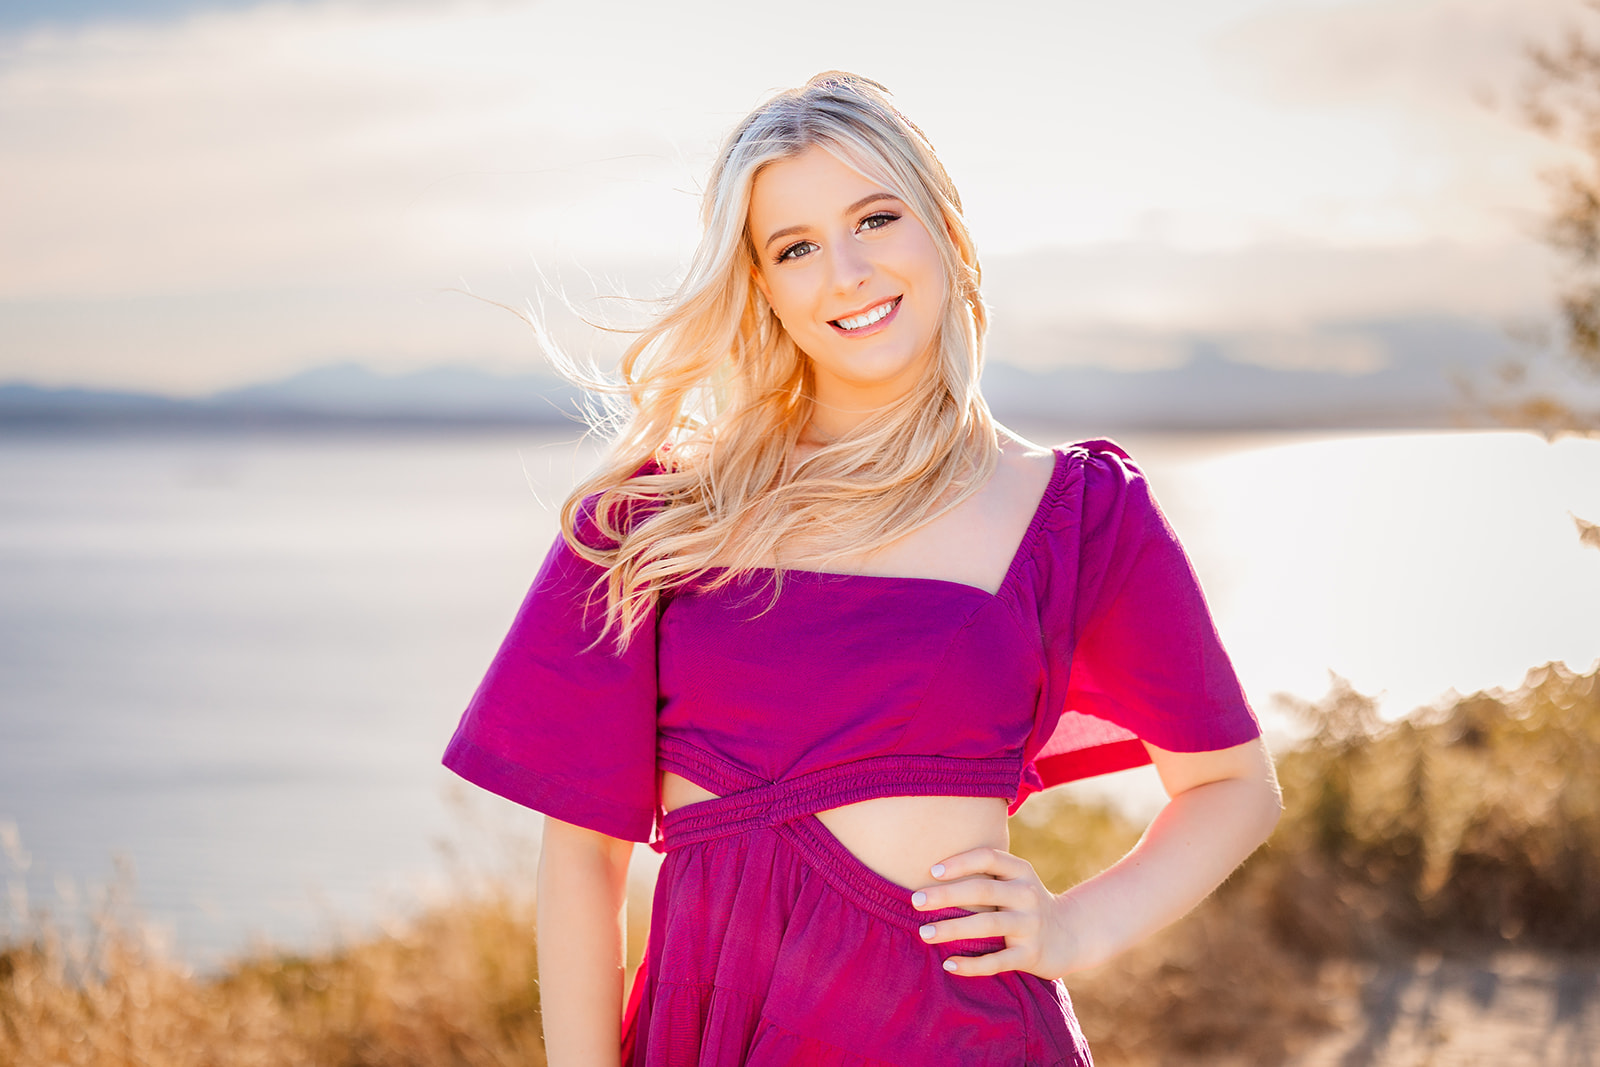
(973, 893)
(990, 861)
(983, 924)
(1007, 959)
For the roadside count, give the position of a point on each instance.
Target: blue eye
(794, 251)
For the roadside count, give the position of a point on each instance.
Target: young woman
(817, 623)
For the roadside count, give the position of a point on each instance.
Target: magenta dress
(770, 943)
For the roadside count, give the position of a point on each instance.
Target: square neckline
(1018, 558)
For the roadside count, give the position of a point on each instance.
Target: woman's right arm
(582, 932)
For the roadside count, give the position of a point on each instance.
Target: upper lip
(866, 308)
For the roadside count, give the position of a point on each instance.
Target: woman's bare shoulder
(1022, 475)
(1023, 461)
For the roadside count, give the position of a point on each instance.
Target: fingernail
(938, 870)
(919, 898)
(949, 965)
(927, 932)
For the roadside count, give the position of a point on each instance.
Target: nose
(851, 266)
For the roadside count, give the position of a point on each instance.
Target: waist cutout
(747, 803)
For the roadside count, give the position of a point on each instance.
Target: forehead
(810, 188)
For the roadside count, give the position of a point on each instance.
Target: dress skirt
(771, 943)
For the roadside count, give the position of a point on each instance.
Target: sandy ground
(1507, 1010)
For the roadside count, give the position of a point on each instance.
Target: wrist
(1089, 935)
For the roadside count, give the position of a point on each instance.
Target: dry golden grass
(1458, 829)
(455, 986)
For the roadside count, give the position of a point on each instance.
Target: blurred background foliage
(1560, 98)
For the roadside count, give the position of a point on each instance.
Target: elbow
(1242, 781)
(1265, 804)
(1260, 803)
(1256, 808)
(1274, 812)
(1269, 804)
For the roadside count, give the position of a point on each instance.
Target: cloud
(283, 145)
(1432, 86)
(286, 144)
(1266, 287)
(1430, 55)
(240, 192)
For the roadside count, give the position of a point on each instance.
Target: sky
(200, 195)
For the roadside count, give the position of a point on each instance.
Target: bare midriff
(900, 838)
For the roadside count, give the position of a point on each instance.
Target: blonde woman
(818, 623)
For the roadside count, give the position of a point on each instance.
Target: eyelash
(886, 216)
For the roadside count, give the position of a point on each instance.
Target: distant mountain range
(344, 394)
(1426, 380)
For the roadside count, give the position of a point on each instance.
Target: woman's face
(853, 276)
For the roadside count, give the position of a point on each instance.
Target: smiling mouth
(868, 317)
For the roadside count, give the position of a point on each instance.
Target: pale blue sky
(36, 14)
(24, 14)
(201, 195)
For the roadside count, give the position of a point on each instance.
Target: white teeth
(867, 318)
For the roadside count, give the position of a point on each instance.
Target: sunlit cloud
(1437, 56)
(1270, 285)
(242, 191)
(1436, 81)
(281, 145)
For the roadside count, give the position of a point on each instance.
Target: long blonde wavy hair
(718, 393)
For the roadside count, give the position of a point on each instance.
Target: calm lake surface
(233, 661)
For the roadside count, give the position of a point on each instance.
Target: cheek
(787, 307)
(934, 281)
(920, 260)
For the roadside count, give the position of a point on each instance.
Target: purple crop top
(867, 686)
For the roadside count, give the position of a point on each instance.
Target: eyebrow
(870, 198)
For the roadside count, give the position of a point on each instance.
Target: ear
(761, 283)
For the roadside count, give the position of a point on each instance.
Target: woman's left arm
(1222, 805)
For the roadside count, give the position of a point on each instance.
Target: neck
(829, 422)
(836, 411)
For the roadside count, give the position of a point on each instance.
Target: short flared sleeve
(1132, 652)
(562, 722)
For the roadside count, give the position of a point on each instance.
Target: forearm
(1198, 838)
(582, 940)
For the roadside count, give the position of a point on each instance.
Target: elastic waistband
(868, 889)
(789, 799)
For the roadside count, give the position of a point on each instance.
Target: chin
(878, 372)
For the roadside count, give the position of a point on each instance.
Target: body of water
(234, 660)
